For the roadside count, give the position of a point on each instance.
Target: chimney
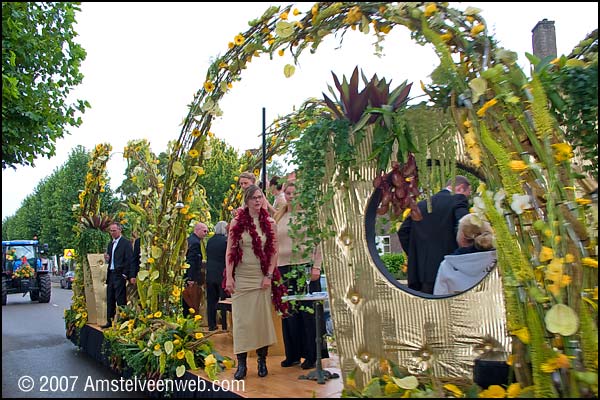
(544, 39)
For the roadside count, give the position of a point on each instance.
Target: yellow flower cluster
(24, 271)
(473, 148)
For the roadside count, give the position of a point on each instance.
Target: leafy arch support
(507, 127)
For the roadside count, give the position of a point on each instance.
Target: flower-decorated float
(536, 312)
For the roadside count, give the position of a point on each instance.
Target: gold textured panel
(374, 319)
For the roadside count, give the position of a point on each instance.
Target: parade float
(535, 313)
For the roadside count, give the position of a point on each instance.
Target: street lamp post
(264, 150)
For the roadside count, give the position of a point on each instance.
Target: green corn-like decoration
(539, 108)
(510, 181)
(510, 262)
(540, 352)
(589, 338)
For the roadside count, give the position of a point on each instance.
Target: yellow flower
(385, 29)
(193, 153)
(209, 86)
(227, 363)
(230, 45)
(157, 346)
(354, 15)
(446, 36)
(481, 112)
(229, 85)
(184, 210)
(315, 9)
(230, 208)
(477, 29)
(198, 335)
(565, 280)
(589, 262)
(454, 390)
(562, 151)
(239, 40)
(514, 390)
(554, 363)
(176, 342)
(546, 254)
(235, 178)
(150, 260)
(158, 314)
(296, 11)
(197, 317)
(209, 360)
(180, 354)
(517, 165)
(223, 65)
(283, 15)
(210, 134)
(281, 52)
(493, 392)
(390, 388)
(256, 172)
(569, 258)
(192, 311)
(522, 334)
(430, 10)
(583, 201)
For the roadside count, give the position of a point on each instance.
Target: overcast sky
(146, 60)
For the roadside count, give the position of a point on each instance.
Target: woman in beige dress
(299, 328)
(250, 272)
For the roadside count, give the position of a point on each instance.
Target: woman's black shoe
(240, 373)
(289, 363)
(306, 364)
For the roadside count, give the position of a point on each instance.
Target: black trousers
(299, 328)
(214, 293)
(115, 293)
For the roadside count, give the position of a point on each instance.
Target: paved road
(34, 345)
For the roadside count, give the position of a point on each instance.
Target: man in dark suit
(216, 248)
(119, 257)
(195, 275)
(427, 241)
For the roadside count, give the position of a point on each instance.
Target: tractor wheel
(4, 290)
(34, 295)
(45, 288)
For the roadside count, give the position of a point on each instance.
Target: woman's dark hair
(277, 182)
(250, 190)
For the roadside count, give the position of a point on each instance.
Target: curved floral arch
(508, 130)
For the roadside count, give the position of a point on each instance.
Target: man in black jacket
(196, 258)
(427, 241)
(119, 257)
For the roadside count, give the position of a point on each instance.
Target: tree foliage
(219, 171)
(40, 66)
(47, 211)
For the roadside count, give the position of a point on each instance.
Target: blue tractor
(25, 270)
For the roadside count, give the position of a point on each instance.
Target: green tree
(220, 169)
(40, 66)
(48, 210)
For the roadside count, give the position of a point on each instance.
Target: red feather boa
(264, 254)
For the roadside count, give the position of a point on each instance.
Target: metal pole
(264, 150)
